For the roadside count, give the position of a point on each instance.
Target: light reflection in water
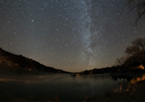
(131, 86)
(138, 79)
(58, 87)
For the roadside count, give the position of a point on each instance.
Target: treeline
(135, 54)
(134, 61)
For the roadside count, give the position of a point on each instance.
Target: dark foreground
(64, 87)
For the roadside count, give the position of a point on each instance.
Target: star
(72, 35)
(32, 20)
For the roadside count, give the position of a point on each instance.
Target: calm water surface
(57, 87)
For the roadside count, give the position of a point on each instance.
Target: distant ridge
(19, 61)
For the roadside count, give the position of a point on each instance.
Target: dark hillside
(19, 61)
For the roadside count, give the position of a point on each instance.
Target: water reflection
(131, 86)
(137, 79)
(64, 87)
(56, 87)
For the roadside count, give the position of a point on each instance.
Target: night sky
(72, 35)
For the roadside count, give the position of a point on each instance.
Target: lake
(57, 87)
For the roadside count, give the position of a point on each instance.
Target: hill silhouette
(21, 62)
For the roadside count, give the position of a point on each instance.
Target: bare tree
(136, 52)
(137, 47)
(120, 61)
(139, 5)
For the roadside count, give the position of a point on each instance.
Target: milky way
(72, 35)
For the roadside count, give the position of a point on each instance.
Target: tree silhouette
(138, 46)
(136, 52)
(139, 5)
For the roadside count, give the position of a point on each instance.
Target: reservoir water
(57, 87)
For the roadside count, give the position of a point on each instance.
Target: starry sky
(72, 35)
